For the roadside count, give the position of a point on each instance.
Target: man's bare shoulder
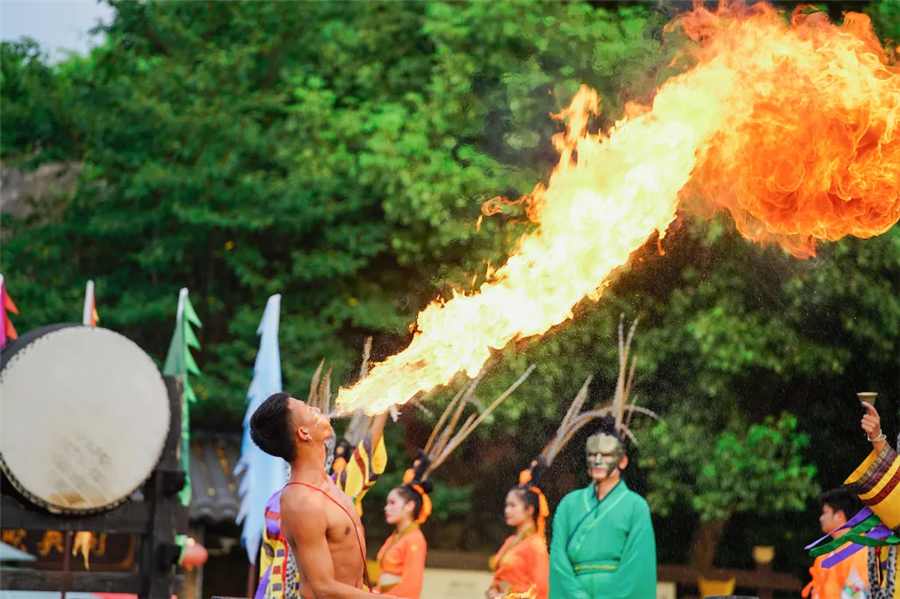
(302, 502)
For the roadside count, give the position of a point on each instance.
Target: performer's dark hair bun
(529, 479)
(414, 488)
(419, 468)
(607, 426)
(529, 491)
(426, 485)
(409, 493)
(538, 468)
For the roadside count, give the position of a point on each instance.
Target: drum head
(85, 416)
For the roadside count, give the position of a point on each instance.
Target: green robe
(603, 549)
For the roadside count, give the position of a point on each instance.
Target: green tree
(759, 471)
(336, 153)
(886, 20)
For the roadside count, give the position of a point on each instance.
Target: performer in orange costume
(402, 557)
(522, 566)
(523, 563)
(849, 578)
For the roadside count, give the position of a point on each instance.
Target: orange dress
(848, 578)
(523, 564)
(403, 556)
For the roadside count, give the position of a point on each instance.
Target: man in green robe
(603, 544)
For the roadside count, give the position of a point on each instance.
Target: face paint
(604, 452)
(606, 462)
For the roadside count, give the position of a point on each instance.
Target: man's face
(603, 466)
(831, 520)
(310, 424)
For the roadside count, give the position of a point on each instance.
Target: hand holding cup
(871, 424)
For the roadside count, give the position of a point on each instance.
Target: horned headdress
(616, 416)
(448, 434)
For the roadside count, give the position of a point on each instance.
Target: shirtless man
(319, 521)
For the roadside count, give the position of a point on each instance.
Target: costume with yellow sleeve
(876, 527)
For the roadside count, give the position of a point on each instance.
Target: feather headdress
(448, 435)
(616, 416)
(320, 396)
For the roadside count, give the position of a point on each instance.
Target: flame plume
(811, 148)
(792, 127)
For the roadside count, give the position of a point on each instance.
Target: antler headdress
(618, 414)
(446, 437)
(337, 451)
(573, 421)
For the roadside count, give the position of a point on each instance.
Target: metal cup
(867, 397)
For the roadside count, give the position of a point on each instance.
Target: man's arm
(304, 521)
(563, 584)
(871, 424)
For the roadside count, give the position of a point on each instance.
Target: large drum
(84, 416)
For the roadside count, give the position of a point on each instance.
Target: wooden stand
(156, 521)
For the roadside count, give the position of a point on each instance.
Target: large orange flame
(793, 127)
(811, 148)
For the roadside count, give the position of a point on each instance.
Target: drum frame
(8, 477)
(156, 521)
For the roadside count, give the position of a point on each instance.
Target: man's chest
(342, 520)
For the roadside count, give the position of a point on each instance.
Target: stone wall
(22, 191)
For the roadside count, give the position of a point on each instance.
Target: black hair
(608, 427)
(535, 472)
(270, 427)
(408, 494)
(839, 500)
(529, 498)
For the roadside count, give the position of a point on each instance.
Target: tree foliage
(338, 153)
(886, 20)
(759, 470)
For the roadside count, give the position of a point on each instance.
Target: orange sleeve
(410, 585)
(815, 573)
(540, 568)
(524, 567)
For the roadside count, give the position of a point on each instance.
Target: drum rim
(9, 356)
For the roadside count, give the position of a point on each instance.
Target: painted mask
(604, 452)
